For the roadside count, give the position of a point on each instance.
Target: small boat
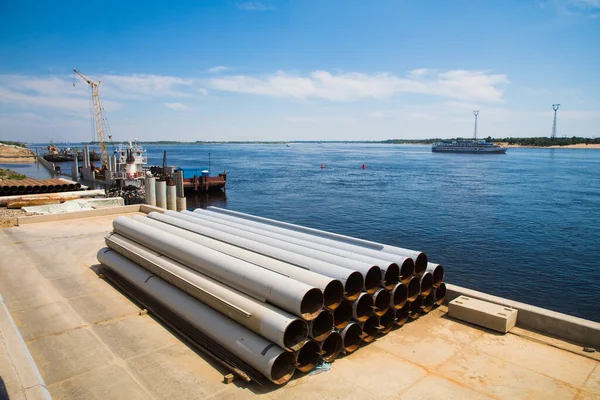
(472, 146)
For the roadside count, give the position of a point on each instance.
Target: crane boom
(98, 111)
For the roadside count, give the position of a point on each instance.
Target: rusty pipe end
(311, 304)
(420, 264)
(402, 314)
(351, 336)
(353, 286)
(387, 321)
(372, 279)
(370, 328)
(320, 327)
(333, 294)
(342, 314)
(295, 334)
(438, 274)
(332, 347)
(308, 356)
(407, 270)
(382, 299)
(399, 296)
(428, 302)
(440, 294)
(283, 368)
(363, 307)
(390, 276)
(414, 289)
(415, 307)
(426, 281)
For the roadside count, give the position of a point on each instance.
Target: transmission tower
(555, 107)
(476, 113)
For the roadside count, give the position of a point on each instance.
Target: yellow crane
(98, 115)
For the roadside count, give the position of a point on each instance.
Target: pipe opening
(438, 275)
(370, 328)
(440, 294)
(420, 264)
(373, 279)
(387, 320)
(415, 308)
(352, 336)
(332, 347)
(333, 294)
(426, 283)
(295, 334)
(402, 314)
(308, 356)
(363, 307)
(428, 302)
(282, 368)
(342, 315)
(321, 326)
(390, 276)
(354, 285)
(414, 289)
(407, 270)
(311, 304)
(382, 299)
(399, 296)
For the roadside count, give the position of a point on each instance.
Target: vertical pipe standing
(150, 187)
(171, 198)
(161, 194)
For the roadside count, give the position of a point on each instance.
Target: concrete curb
(31, 380)
(33, 219)
(551, 323)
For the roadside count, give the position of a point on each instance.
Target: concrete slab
(133, 336)
(102, 306)
(112, 382)
(28, 296)
(388, 374)
(16, 273)
(8, 373)
(587, 396)
(69, 354)
(78, 285)
(176, 373)
(435, 388)
(592, 384)
(501, 379)
(84, 248)
(45, 320)
(322, 386)
(567, 367)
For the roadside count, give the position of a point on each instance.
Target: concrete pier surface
(90, 342)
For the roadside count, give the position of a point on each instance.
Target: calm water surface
(524, 225)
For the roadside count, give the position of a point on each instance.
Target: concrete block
(482, 313)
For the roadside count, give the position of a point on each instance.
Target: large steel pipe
(402, 314)
(308, 356)
(370, 328)
(363, 307)
(428, 302)
(372, 273)
(333, 289)
(426, 281)
(415, 308)
(387, 321)
(271, 360)
(438, 273)
(440, 294)
(381, 301)
(296, 297)
(399, 296)
(351, 336)
(414, 289)
(321, 327)
(390, 269)
(352, 279)
(268, 321)
(150, 188)
(331, 347)
(419, 258)
(342, 315)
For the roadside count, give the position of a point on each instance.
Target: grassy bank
(7, 174)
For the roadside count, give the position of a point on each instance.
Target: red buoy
(364, 166)
(322, 166)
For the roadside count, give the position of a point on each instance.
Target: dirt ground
(8, 217)
(15, 154)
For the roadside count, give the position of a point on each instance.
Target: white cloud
(143, 86)
(377, 114)
(586, 3)
(254, 6)
(311, 119)
(203, 91)
(457, 84)
(571, 114)
(218, 68)
(176, 106)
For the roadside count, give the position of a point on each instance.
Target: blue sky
(300, 70)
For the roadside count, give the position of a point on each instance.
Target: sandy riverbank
(571, 146)
(10, 154)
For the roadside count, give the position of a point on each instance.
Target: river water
(525, 225)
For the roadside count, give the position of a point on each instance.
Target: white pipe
(296, 297)
(390, 269)
(371, 273)
(161, 194)
(348, 277)
(438, 273)
(418, 257)
(269, 359)
(181, 204)
(333, 289)
(268, 321)
(150, 187)
(171, 198)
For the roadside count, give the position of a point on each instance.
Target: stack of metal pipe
(279, 296)
(32, 186)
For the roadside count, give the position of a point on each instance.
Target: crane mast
(98, 115)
